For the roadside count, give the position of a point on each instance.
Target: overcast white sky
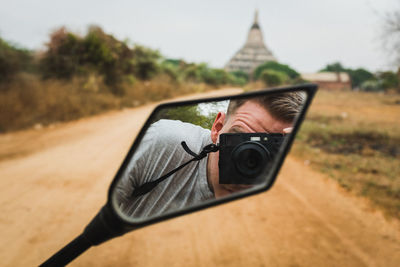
(305, 34)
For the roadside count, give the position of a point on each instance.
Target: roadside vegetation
(84, 75)
(354, 137)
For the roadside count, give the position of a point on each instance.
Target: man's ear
(217, 126)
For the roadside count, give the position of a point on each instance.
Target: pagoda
(253, 53)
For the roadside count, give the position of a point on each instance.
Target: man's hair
(282, 106)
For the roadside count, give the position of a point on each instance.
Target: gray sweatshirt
(159, 152)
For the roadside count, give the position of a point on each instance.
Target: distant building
(253, 53)
(329, 80)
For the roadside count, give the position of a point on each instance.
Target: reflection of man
(160, 152)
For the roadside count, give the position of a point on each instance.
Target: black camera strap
(147, 187)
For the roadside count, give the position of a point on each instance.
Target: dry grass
(355, 138)
(159, 88)
(255, 85)
(30, 101)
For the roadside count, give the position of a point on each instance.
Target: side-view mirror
(196, 154)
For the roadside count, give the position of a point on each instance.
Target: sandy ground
(54, 180)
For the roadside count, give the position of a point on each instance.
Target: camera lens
(250, 159)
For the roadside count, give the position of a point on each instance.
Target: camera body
(245, 158)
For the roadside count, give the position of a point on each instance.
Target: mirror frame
(309, 89)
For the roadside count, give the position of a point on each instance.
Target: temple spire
(256, 17)
(253, 53)
(255, 23)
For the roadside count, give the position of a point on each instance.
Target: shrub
(239, 77)
(202, 73)
(145, 62)
(171, 70)
(275, 66)
(273, 78)
(31, 100)
(12, 61)
(61, 60)
(69, 55)
(334, 67)
(357, 76)
(191, 73)
(389, 80)
(371, 86)
(215, 77)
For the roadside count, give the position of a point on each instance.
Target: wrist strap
(147, 187)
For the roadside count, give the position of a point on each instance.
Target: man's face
(251, 117)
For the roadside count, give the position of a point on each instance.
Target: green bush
(371, 86)
(389, 80)
(202, 73)
(216, 77)
(239, 77)
(69, 55)
(190, 114)
(275, 66)
(12, 61)
(61, 60)
(273, 78)
(191, 73)
(179, 70)
(334, 67)
(207, 75)
(172, 69)
(357, 76)
(145, 62)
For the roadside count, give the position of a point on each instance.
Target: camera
(245, 158)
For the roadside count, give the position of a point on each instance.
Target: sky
(305, 34)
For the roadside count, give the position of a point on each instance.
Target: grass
(30, 101)
(354, 137)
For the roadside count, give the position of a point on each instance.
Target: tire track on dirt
(367, 260)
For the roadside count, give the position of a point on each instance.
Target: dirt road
(53, 181)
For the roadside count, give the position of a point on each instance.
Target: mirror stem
(103, 227)
(68, 253)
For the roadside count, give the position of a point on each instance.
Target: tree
(191, 73)
(357, 76)
(272, 65)
(190, 114)
(61, 60)
(203, 73)
(239, 77)
(391, 34)
(69, 55)
(216, 77)
(371, 86)
(240, 74)
(389, 80)
(104, 54)
(176, 63)
(273, 77)
(12, 60)
(391, 37)
(145, 62)
(334, 67)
